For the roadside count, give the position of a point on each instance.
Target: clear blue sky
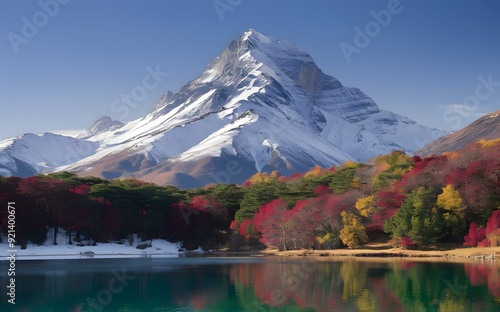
(425, 61)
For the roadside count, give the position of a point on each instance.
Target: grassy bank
(490, 253)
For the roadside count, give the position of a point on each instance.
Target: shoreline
(477, 253)
(458, 254)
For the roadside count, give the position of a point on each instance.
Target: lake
(252, 284)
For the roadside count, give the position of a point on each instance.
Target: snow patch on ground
(159, 248)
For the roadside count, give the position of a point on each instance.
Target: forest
(416, 202)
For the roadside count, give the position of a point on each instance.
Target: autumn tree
(271, 222)
(48, 193)
(302, 220)
(428, 172)
(475, 235)
(453, 206)
(31, 218)
(366, 206)
(492, 231)
(353, 233)
(387, 205)
(209, 220)
(478, 187)
(394, 165)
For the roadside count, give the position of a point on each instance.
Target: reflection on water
(252, 284)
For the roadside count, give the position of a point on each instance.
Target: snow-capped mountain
(261, 105)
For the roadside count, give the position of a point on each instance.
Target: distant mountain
(486, 127)
(101, 125)
(261, 105)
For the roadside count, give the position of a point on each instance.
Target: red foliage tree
(475, 235)
(303, 218)
(407, 243)
(493, 222)
(233, 225)
(51, 195)
(270, 221)
(111, 221)
(80, 212)
(247, 184)
(479, 190)
(428, 172)
(456, 177)
(492, 228)
(211, 221)
(322, 189)
(247, 229)
(388, 203)
(210, 207)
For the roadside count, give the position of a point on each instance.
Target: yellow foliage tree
(314, 172)
(451, 200)
(489, 143)
(450, 155)
(353, 233)
(350, 164)
(452, 203)
(263, 177)
(366, 205)
(275, 174)
(355, 182)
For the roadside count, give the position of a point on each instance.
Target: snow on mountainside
(261, 105)
(101, 125)
(31, 154)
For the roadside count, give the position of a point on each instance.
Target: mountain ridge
(484, 128)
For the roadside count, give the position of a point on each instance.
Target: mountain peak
(102, 124)
(262, 104)
(255, 36)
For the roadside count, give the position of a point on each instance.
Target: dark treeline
(419, 202)
(99, 210)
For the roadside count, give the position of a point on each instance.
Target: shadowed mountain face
(486, 128)
(261, 105)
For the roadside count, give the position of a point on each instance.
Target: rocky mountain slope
(486, 128)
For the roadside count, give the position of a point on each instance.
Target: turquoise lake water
(252, 284)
